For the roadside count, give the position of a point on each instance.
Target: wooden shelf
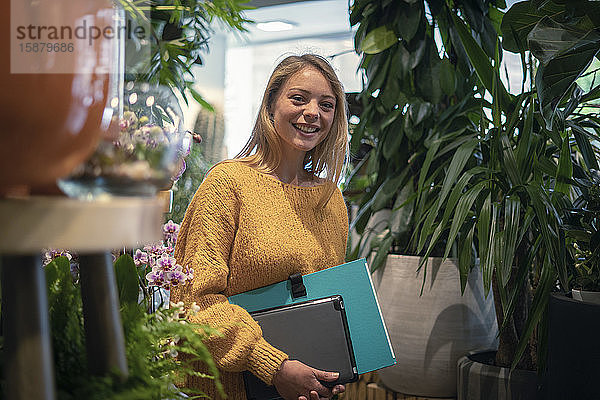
(33, 223)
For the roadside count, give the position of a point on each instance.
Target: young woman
(272, 211)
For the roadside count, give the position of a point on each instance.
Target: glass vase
(144, 152)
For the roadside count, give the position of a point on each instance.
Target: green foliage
(421, 104)
(473, 179)
(515, 188)
(127, 279)
(151, 342)
(583, 234)
(181, 30)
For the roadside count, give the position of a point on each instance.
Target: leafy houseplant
(574, 318)
(510, 200)
(583, 235)
(152, 341)
(499, 193)
(412, 127)
(180, 33)
(405, 112)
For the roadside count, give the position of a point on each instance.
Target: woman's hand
(298, 381)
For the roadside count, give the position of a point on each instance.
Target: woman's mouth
(307, 129)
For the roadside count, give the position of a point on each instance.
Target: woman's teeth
(306, 129)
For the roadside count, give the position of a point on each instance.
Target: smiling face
(303, 111)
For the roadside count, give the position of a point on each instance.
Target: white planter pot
(430, 332)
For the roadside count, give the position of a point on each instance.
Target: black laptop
(314, 332)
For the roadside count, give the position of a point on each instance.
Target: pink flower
(156, 277)
(140, 257)
(170, 231)
(167, 262)
(176, 276)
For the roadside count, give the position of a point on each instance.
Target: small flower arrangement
(164, 272)
(143, 152)
(155, 262)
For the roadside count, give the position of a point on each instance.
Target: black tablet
(314, 332)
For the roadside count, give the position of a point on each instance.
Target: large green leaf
(555, 78)
(585, 147)
(509, 160)
(458, 162)
(403, 209)
(564, 171)
(447, 77)
(431, 153)
(387, 190)
(526, 139)
(481, 62)
(521, 18)
(427, 74)
(459, 159)
(465, 257)
(512, 215)
(127, 279)
(382, 252)
(548, 38)
(408, 19)
(378, 40)
(462, 210)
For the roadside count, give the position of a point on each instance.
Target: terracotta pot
(432, 330)
(52, 106)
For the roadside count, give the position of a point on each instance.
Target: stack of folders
(314, 332)
(327, 325)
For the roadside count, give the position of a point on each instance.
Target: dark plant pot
(573, 367)
(479, 379)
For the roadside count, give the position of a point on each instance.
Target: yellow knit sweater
(244, 230)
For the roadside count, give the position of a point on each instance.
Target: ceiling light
(275, 26)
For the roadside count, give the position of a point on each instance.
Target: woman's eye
(329, 106)
(297, 98)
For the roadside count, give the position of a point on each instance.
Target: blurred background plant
(152, 341)
(181, 35)
(181, 32)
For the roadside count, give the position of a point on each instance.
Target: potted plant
(509, 202)
(406, 118)
(574, 318)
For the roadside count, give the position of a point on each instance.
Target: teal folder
(370, 342)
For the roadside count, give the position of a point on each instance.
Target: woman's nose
(311, 111)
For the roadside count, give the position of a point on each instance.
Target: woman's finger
(338, 389)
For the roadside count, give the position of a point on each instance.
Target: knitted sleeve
(204, 243)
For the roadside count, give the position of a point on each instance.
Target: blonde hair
(263, 149)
